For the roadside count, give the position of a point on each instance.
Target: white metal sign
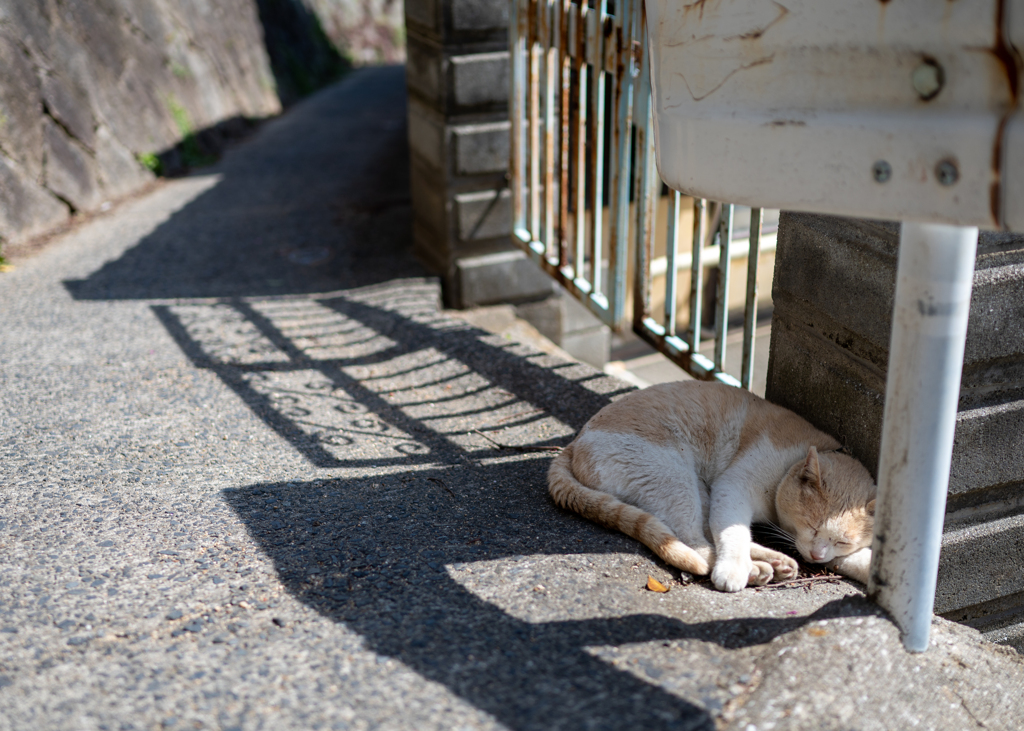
(901, 109)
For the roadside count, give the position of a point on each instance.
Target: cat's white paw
(733, 575)
(784, 568)
(857, 565)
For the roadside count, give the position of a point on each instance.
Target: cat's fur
(687, 467)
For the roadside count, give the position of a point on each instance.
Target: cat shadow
(381, 556)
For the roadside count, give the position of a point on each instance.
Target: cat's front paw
(760, 574)
(734, 575)
(784, 568)
(856, 565)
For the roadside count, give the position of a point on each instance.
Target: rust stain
(698, 6)
(755, 34)
(744, 67)
(1006, 54)
(1010, 61)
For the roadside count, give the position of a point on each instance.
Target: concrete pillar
(833, 296)
(457, 75)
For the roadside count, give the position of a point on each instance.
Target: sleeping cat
(682, 465)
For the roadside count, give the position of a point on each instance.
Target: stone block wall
(833, 294)
(363, 31)
(87, 87)
(457, 74)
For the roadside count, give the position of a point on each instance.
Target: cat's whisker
(776, 532)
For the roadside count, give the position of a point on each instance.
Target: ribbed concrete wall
(457, 75)
(833, 293)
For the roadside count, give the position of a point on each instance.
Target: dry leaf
(655, 585)
(817, 631)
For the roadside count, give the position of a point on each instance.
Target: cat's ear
(870, 507)
(810, 473)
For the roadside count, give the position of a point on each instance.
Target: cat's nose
(817, 554)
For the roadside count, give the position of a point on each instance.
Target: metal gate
(586, 192)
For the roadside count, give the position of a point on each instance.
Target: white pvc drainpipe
(929, 328)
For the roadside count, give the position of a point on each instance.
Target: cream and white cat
(687, 467)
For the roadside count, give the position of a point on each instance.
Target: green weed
(192, 154)
(151, 162)
(180, 71)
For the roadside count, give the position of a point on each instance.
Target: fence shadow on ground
(376, 379)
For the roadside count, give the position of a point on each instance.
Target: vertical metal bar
(550, 131)
(597, 142)
(646, 180)
(722, 290)
(517, 50)
(581, 148)
(697, 271)
(929, 327)
(672, 271)
(534, 96)
(750, 306)
(623, 139)
(564, 140)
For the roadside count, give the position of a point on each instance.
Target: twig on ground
(498, 445)
(806, 581)
(520, 415)
(442, 484)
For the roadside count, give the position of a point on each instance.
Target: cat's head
(827, 504)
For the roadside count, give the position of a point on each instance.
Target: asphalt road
(252, 478)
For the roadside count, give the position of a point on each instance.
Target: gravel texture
(244, 484)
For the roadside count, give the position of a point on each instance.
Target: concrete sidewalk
(252, 478)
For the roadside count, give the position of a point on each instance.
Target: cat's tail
(611, 512)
